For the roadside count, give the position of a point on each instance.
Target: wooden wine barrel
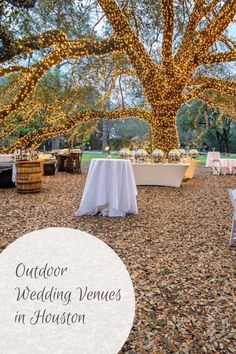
(29, 176)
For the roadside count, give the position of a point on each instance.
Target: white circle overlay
(63, 291)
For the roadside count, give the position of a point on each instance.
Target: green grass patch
(88, 156)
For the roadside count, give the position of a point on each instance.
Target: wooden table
(70, 163)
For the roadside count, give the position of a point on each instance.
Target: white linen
(170, 175)
(5, 158)
(229, 163)
(212, 155)
(13, 177)
(109, 188)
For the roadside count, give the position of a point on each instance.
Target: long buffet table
(167, 174)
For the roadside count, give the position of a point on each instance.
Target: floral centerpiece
(125, 153)
(157, 155)
(182, 153)
(141, 155)
(25, 155)
(107, 149)
(193, 153)
(174, 155)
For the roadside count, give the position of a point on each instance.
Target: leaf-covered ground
(176, 251)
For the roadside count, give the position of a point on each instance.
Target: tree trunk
(164, 133)
(55, 143)
(105, 125)
(219, 138)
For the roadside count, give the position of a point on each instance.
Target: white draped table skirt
(212, 155)
(110, 189)
(170, 175)
(229, 164)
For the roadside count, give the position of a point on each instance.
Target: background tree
(207, 127)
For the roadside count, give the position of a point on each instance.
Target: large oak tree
(167, 80)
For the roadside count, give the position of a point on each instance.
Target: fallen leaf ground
(176, 251)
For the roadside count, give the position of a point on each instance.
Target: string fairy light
(64, 124)
(166, 86)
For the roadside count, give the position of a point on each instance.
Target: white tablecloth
(212, 155)
(229, 163)
(5, 158)
(110, 188)
(167, 174)
(13, 173)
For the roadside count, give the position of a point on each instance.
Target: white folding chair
(232, 195)
(218, 169)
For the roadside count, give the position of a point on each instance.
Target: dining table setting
(226, 163)
(229, 164)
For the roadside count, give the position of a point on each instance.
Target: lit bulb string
(37, 137)
(201, 134)
(222, 38)
(51, 113)
(33, 105)
(11, 127)
(107, 4)
(48, 120)
(11, 69)
(64, 50)
(44, 40)
(199, 11)
(201, 41)
(113, 78)
(42, 109)
(13, 86)
(81, 130)
(201, 85)
(227, 42)
(226, 104)
(159, 86)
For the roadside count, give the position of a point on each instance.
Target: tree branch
(228, 42)
(12, 69)
(216, 27)
(168, 25)
(13, 48)
(139, 57)
(58, 38)
(65, 50)
(221, 101)
(38, 136)
(215, 58)
(201, 84)
(200, 9)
